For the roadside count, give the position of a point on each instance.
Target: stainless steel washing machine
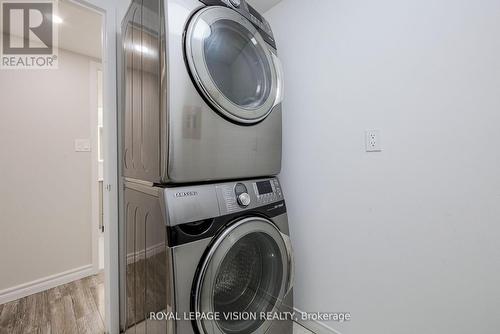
(201, 92)
(206, 250)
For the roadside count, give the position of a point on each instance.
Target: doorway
(52, 135)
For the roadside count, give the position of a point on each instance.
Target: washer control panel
(267, 191)
(247, 195)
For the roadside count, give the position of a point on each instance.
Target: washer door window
(232, 65)
(247, 271)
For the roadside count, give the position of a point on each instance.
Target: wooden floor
(298, 329)
(73, 308)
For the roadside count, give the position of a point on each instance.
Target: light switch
(82, 145)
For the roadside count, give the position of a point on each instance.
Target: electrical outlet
(373, 141)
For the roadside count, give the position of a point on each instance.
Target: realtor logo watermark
(29, 38)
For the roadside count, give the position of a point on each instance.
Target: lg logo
(28, 35)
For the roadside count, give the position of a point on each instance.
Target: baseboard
(315, 326)
(148, 252)
(46, 283)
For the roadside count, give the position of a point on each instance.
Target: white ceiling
(80, 30)
(263, 6)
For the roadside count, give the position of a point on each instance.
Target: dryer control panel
(242, 7)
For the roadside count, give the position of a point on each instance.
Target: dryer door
(247, 271)
(232, 65)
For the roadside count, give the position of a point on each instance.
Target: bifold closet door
(141, 101)
(146, 261)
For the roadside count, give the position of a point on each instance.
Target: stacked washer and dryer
(204, 238)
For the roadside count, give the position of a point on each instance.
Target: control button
(244, 199)
(240, 188)
(235, 3)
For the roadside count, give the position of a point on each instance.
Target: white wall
(407, 239)
(45, 202)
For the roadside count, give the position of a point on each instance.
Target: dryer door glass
(244, 276)
(233, 67)
(238, 64)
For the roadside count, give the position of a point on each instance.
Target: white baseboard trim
(46, 283)
(315, 326)
(148, 252)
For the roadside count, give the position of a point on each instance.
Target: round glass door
(247, 272)
(231, 64)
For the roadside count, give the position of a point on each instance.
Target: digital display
(264, 187)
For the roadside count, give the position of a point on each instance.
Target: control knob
(244, 199)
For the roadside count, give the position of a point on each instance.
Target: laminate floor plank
(53, 294)
(42, 310)
(25, 317)
(70, 308)
(83, 302)
(98, 296)
(64, 290)
(44, 329)
(90, 324)
(298, 329)
(8, 317)
(73, 308)
(89, 281)
(62, 316)
(100, 278)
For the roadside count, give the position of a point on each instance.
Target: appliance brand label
(186, 194)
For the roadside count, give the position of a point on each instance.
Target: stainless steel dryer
(201, 92)
(207, 249)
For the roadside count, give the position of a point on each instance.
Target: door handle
(291, 262)
(280, 86)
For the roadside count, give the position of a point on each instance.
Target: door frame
(94, 143)
(108, 10)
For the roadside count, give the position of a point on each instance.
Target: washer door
(248, 270)
(232, 65)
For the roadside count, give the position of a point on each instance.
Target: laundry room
(249, 166)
